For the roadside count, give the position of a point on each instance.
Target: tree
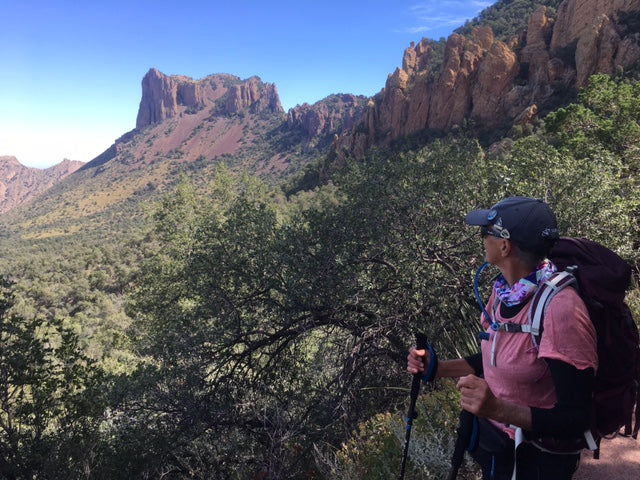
(50, 403)
(266, 327)
(598, 160)
(265, 332)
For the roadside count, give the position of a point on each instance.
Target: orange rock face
(19, 184)
(164, 96)
(494, 83)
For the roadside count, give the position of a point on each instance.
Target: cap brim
(477, 217)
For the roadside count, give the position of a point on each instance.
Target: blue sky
(70, 71)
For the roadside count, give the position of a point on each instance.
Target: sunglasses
(495, 231)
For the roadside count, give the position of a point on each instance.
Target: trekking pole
(467, 440)
(421, 344)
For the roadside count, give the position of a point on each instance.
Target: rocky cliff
(165, 96)
(19, 184)
(496, 84)
(329, 116)
(187, 120)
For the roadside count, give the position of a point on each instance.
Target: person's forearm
(453, 368)
(513, 414)
(569, 417)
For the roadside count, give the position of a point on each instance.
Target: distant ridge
(185, 127)
(19, 184)
(489, 84)
(163, 96)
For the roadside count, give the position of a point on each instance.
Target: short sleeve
(568, 333)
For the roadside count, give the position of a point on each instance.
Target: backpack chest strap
(543, 295)
(511, 327)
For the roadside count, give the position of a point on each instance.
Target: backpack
(601, 278)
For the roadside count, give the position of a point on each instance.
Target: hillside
(490, 82)
(184, 127)
(229, 290)
(19, 184)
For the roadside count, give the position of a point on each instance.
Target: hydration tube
(476, 291)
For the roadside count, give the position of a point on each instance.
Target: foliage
(50, 400)
(242, 301)
(80, 286)
(599, 139)
(507, 18)
(372, 450)
(263, 334)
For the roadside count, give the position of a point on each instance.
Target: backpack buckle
(511, 327)
(572, 269)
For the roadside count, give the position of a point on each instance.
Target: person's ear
(505, 247)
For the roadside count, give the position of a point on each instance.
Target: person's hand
(477, 397)
(417, 361)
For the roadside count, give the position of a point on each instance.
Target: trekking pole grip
(423, 344)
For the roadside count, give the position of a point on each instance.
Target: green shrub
(375, 449)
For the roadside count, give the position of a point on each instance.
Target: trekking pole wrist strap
(430, 374)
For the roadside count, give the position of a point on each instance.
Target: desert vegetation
(236, 329)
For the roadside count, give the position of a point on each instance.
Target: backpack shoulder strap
(545, 292)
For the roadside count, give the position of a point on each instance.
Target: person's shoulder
(568, 294)
(567, 302)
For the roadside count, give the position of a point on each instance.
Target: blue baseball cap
(528, 222)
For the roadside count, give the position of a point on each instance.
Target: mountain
(19, 184)
(493, 84)
(218, 118)
(164, 96)
(489, 83)
(224, 118)
(186, 127)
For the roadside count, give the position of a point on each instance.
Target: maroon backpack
(601, 278)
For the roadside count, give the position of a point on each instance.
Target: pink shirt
(520, 374)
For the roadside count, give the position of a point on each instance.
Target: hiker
(513, 387)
